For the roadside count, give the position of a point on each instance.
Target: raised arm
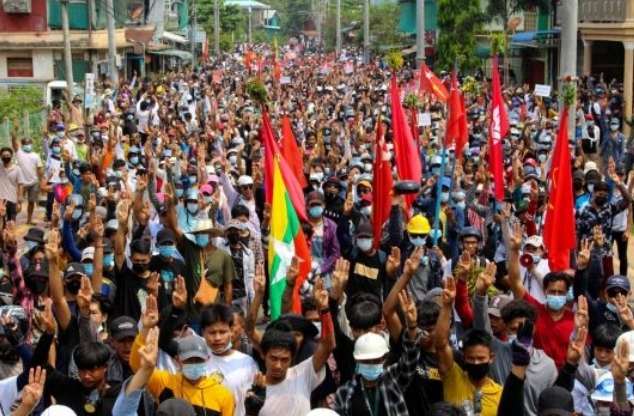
(327, 343)
(289, 289)
(123, 212)
(259, 282)
(55, 284)
(444, 354)
(481, 315)
(515, 278)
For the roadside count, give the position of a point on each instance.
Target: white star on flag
(285, 252)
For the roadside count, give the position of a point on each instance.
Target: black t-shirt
(131, 294)
(168, 272)
(360, 406)
(367, 274)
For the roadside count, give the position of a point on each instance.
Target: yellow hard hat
(418, 225)
(72, 127)
(159, 89)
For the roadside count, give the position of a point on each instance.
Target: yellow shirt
(458, 390)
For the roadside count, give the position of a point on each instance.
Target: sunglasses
(615, 293)
(244, 187)
(362, 191)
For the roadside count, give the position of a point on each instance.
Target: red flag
(455, 113)
(408, 163)
(559, 230)
(271, 149)
(413, 121)
(381, 186)
(277, 71)
(430, 82)
(291, 153)
(205, 54)
(247, 59)
(497, 131)
(464, 130)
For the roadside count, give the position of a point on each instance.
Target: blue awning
(525, 37)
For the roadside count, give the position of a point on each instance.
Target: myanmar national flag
(285, 241)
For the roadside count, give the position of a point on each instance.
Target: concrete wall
(42, 63)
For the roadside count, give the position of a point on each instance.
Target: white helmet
(321, 411)
(59, 410)
(370, 346)
(245, 180)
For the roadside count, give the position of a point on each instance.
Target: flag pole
(443, 162)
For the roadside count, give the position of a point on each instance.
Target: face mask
(192, 207)
(6, 160)
(370, 372)
(511, 338)
(233, 238)
(461, 204)
(590, 123)
(208, 200)
(314, 177)
(444, 197)
(179, 192)
(435, 170)
(77, 214)
(27, 147)
(73, 287)
(63, 180)
(555, 302)
(537, 258)
(541, 157)
(418, 241)
(193, 372)
(129, 117)
(533, 135)
(202, 240)
(56, 149)
(166, 251)
(31, 245)
(108, 260)
(117, 174)
(225, 349)
(89, 269)
(233, 159)
(167, 153)
(134, 160)
(366, 210)
(614, 127)
(476, 159)
(37, 286)
(140, 268)
(600, 200)
(355, 177)
(76, 172)
(61, 134)
(193, 180)
(365, 244)
(570, 296)
(316, 212)
(476, 371)
(611, 308)
(327, 171)
(591, 187)
(368, 167)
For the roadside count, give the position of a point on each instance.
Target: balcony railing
(599, 11)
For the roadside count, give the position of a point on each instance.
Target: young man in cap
(244, 263)
(32, 169)
(324, 245)
(34, 240)
(533, 267)
(191, 382)
(621, 224)
(168, 262)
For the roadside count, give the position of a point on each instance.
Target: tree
(501, 10)
(232, 20)
(384, 25)
(458, 22)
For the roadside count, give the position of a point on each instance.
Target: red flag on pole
(559, 229)
(381, 186)
(408, 163)
(271, 148)
(431, 83)
(291, 153)
(464, 130)
(497, 131)
(455, 113)
(413, 120)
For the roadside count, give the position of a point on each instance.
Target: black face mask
(233, 238)
(600, 200)
(37, 286)
(476, 371)
(6, 160)
(577, 185)
(140, 268)
(73, 286)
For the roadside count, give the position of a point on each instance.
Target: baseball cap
(578, 174)
(175, 407)
(166, 236)
(88, 254)
(497, 304)
(618, 281)
(555, 400)
(245, 180)
(192, 347)
(123, 327)
(365, 230)
(74, 269)
(365, 182)
(535, 241)
(590, 165)
(315, 197)
(234, 224)
(35, 234)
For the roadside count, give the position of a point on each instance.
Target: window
(20, 67)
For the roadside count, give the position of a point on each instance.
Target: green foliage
(15, 102)
(501, 10)
(232, 19)
(498, 43)
(293, 14)
(458, 22)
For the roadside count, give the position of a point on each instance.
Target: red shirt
(552, 336)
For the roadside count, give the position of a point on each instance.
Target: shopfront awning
(173, 37)
(529, 37)
(183, 55)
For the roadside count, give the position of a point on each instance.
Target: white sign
(285, 80)
(543, 90)
(90, 83)
(424, 119)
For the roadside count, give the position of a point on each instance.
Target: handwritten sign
(424, 119)
(543, 90)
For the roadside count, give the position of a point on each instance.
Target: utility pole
(366, 31)
(569, 13)
(216, 28)
(112, 46)
(192, 37)
(420, 33)
(68, 58)
(338, 29)
(250, 39)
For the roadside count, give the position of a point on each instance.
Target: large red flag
(408, 163)
(559, 230)
(431, 83)
(413, 120)
(382, 185)
(271, 149)
(464, 130)
(455, 113)
(497, 131)
(291, 153)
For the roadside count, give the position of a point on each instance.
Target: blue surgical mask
(167, 153)
(591, 187)
(61, 134)
(365, 244)
(316, 212)
(208, 199)
(192, 207)
(366, 210)
(461, 204)
(56, 150)
(555, 302)
(31, 245)
(193, 179)
(179, 192)
(108, 260)
(612, 308)
(444, 197)
(435, 170)
(89, 269)
(76, 172)
(134, 160)
(118, 173)
(537, 258)
(202, 240)
(77, 214)
(130, 117)
(418, 241)
(370, 372)
(27, 147)
(166, 251)
(541, 157)
(233, 159)
(344, 184)
(193, 372)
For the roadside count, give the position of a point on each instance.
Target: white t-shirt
(29, 162)
(8, 394)
(291, 397)
(531, 284)
(236, 372)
